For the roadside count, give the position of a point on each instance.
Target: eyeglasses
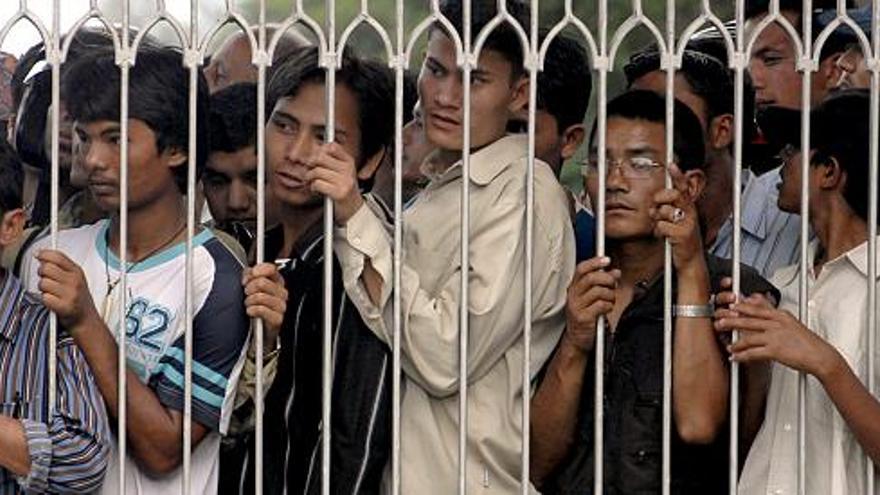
(636, 167)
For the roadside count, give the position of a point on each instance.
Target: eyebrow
(641, 150)
(480, 72)
(321, 127)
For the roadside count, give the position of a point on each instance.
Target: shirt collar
(11, 294)
(489, 161)
(858, 256)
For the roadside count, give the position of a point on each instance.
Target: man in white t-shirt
(81, 280)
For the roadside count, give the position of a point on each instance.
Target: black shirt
(361, 402)
(633, 409)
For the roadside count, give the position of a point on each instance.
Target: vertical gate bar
(192, 60)
(469, 61)
(261, 241)
(667, 252)
(398, 246)
(531, 60)
(125, 65)
(331, 58)
(53, 54)
(803, 288)
(872, 228)
(739, 61)
(602, 66)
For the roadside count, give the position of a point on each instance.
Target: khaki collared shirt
(835, 463)
(430, 297)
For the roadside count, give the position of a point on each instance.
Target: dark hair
(842, 131)
(706, 76)
(565, 84)
(711, 42)
(503, 39)
(835, 43)
(84, 41)
(158, 96)
(687, 139)
(11, 179)
(30, 128)
(369, 81)
(234, 118)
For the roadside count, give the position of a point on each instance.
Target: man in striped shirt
(60, 451)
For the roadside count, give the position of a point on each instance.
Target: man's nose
(239, 197)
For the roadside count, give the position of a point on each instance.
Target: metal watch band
(693, 310)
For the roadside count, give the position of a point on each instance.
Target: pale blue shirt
(770, 237)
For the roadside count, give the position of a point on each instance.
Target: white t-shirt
(155, 326)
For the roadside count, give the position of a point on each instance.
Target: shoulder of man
(751, 282)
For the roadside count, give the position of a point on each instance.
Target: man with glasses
(626, 288)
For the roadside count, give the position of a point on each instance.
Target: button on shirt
(770, 236)
(835, 463)
(430, 298)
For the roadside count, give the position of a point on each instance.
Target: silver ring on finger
(677, 215)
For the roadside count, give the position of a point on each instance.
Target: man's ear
(519, 97)
(369, 168)
(696, 183)
(11, 226)
(572, 139)
(721, 131)
(175, 156)
(832, 175)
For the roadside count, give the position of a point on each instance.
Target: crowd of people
(85, 272)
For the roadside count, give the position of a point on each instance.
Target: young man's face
(495, 96)
(790, 188)
(628, 200)
(230, 184)
(294, 133)
(773, 67)
(150, 172)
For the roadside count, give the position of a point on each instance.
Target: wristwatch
(694, 310)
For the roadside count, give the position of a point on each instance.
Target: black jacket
(361, 402)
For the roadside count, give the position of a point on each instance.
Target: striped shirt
(770, 236)
(68, 449)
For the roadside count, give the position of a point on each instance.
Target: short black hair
(158, 96)
(84, 41)
(30, 127)
(687, 140)
(11, 178)
(842, 131)
(234, 118)
(565, 84)
(837, 42)
(369, 82)
(503, 39)
(707, 76)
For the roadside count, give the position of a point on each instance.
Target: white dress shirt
(835, 463)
